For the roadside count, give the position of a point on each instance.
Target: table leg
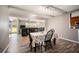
(41, 46)
(54, 41)
(35, 48)
(30, 47)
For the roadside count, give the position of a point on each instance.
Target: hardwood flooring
(1, 50)
(62, 46)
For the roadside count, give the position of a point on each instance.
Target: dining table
(39, 37)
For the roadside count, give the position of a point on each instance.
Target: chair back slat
(49, 35)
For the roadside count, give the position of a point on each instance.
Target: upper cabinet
(33, 23)
(74, 20)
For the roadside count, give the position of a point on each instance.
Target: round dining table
(39, 37)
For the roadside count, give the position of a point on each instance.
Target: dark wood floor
(63, 46)
(1, 50)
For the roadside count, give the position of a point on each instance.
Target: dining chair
(37, 45)
(30, 45)
(30, 39)
(48, 38)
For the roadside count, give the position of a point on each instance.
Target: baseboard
(68, 40)
(5, 49)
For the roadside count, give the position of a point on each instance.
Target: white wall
(61, 26)
(4, 26)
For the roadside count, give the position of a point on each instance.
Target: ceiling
(41, 11)
(67, 8)
(27, 11)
